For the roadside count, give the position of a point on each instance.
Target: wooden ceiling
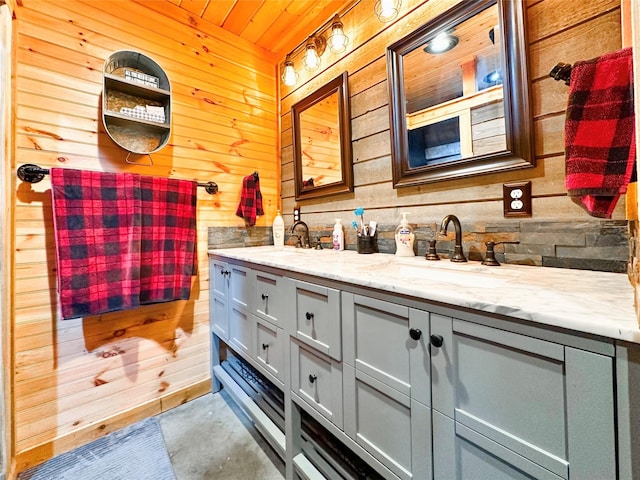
(277, 26)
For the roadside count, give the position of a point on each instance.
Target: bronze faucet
(458, 255)
(303, 240)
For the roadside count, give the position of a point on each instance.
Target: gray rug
(136, 452)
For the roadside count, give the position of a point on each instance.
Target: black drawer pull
(309, 316)
(437, 340)
(415, 333)
(265, 346)
(265, 296)
(312, 377)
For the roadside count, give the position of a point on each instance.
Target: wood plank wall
(557, 31)
(75, 380)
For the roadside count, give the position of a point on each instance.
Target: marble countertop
(599, 303)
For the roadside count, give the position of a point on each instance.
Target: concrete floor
(211, 438)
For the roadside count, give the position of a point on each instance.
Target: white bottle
(404, 238)
(278, 231)
(338, 235)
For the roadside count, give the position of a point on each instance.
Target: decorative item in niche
(321, 126)
(459, 95)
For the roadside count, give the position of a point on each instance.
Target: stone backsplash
(601, 245)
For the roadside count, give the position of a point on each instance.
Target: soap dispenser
(278, 231)
(404, 238)
(338, 235)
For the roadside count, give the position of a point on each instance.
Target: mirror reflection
(322, 141)
(454, 94)
(460, 102)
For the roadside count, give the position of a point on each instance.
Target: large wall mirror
(322, 141)
(459, 95)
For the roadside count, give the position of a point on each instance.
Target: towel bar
(33, 174)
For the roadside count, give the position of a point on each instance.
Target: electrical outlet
(516, 198)
(296, 213)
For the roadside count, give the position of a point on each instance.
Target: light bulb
(289, 76)
(387, 10)
(338, 40)
(311, 57)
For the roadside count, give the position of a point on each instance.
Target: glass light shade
(443, 42)
(338, 41)
(311, 58)
(289, 75)
(387, 10)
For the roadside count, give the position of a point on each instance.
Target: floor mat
(135, 452)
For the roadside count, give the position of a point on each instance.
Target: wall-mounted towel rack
(562, 71)
(33, 174)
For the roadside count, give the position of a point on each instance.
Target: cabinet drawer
(241, 330)
(268, 297)
(388, 424)
(317, 318)
(317, 379)
(269, 348)
(388, 342)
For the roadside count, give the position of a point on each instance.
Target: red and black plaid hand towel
(122, 240)
(600, 132)
(250, 200)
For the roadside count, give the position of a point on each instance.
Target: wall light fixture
(338, 41)
(313, 51)
(289, 75)
(387, 10)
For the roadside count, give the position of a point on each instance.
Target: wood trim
(47, 450)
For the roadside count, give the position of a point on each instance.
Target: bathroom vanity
(421, 370)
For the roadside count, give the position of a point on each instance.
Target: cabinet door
(218, 316)
(269, 348)
(241, 331)
(268, 297)
(240, 287)
(218, 272)
(538, 400)
(386, 383)
(317, 318)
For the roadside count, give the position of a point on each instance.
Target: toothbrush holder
(366, 244)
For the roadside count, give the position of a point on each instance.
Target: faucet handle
(490, 258)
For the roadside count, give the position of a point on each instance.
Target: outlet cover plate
(296, 213)
(516, 198)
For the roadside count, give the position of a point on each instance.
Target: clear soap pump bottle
(404, 238)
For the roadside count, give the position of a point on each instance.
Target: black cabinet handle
(265, 346)
(309, 316)
(415, 333)
(225, 272)
(312, 377)
(437, 340)
(265, 296)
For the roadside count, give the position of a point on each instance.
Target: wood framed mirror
(321, 125)
(466, 110)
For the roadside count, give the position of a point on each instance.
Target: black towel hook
(562, 71)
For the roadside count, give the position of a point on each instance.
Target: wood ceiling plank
(263, 19)
(217, 11)
(194, 6)
(241, 14)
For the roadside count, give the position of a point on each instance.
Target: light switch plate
(516, 198)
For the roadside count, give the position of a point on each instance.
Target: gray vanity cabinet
(512, 406)
(268, 300)
(387, 383)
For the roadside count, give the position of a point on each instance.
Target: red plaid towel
(122, 240)
(250, 200)
(600, 132)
